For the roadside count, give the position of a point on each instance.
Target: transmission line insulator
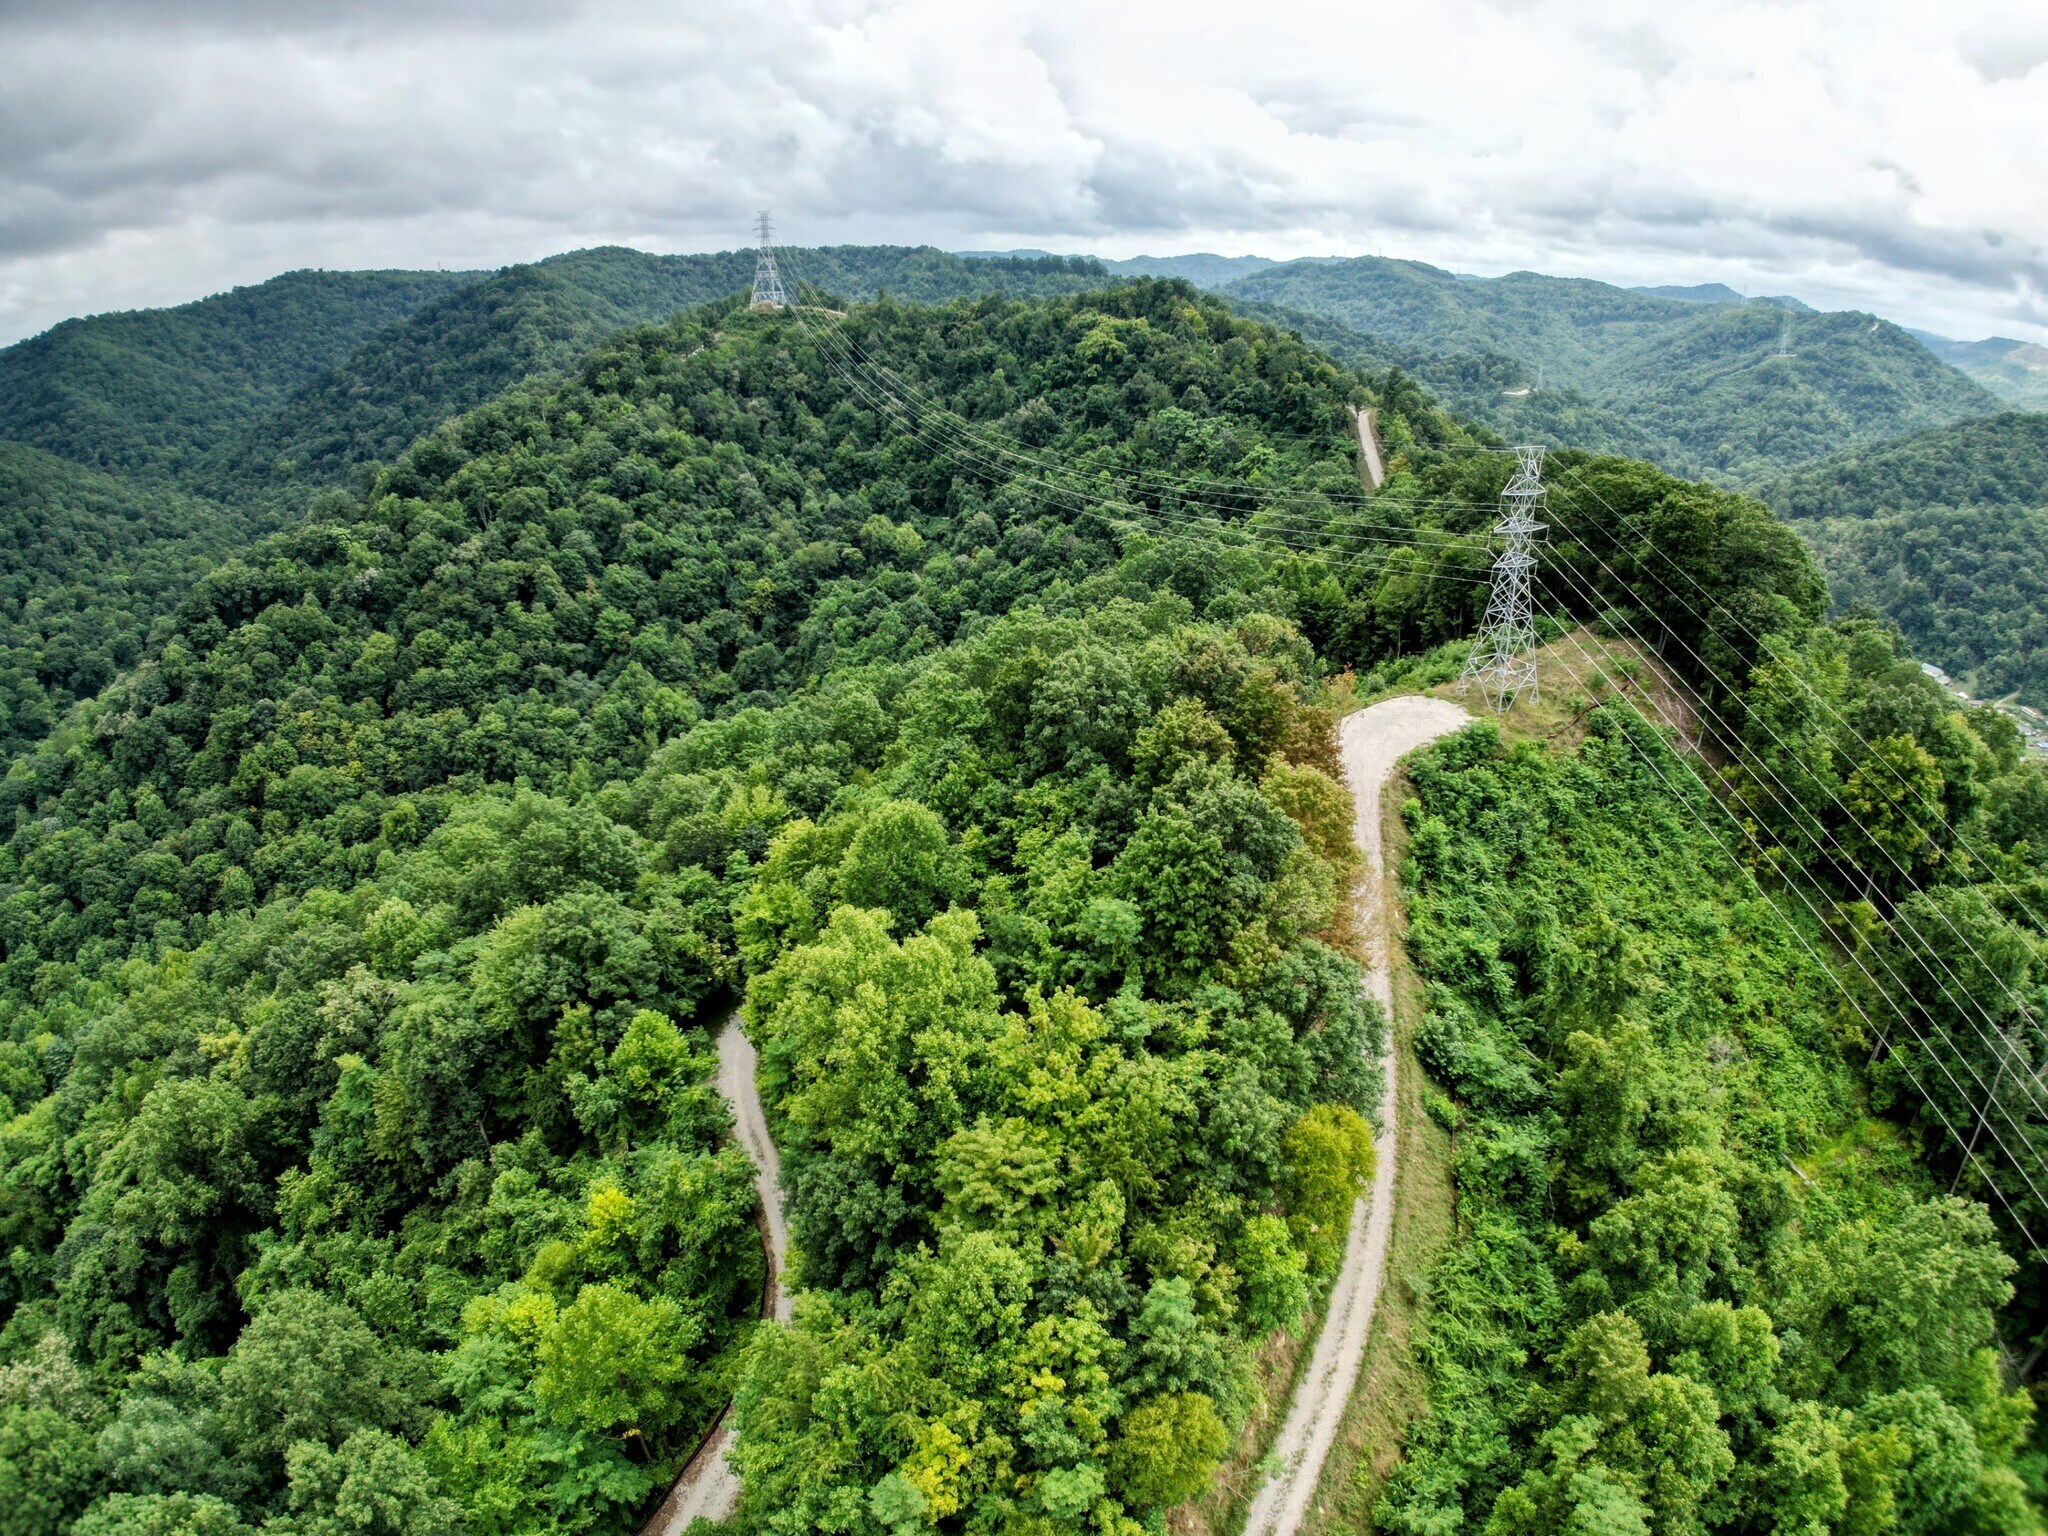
(768, 292)
(1500, 662)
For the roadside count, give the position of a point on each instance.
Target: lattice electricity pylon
(768, 292)
(1500, 661)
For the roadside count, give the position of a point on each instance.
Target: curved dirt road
(707, 1486)
(1371, 742)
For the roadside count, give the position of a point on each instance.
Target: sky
(1869, 154)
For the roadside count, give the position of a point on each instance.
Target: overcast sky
(1889, 155)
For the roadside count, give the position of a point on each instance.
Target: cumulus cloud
(1870, 153)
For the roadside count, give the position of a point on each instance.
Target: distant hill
(1473, 384)
(2013, 370)
(1967, 586)
(1699, 382)
(454, 354)
(1204, 269)
(1992, 461)
(1567, 324)
(1720, 293)
(152, 393)
(306, 377)
(258, 398)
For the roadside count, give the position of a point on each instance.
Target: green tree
(370, 1485)
(161, 1514)
(612, 1363)
(1329, 1162)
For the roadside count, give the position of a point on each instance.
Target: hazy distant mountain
(1204, 269)
(1742, 389)
(2014, 370)
(1721, 293)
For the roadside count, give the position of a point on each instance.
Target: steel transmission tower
(1500, 662)
(768, 292)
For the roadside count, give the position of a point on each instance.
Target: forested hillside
(87, 564)
(1998, 461)
(152, 393)
(457, 353)
(198, 397)
(1943, 533)
(1696, 1284)
(1700, 385)
(2013, 370)
(1573, 326)
(305, 378)
(1968, 586)
(1473, 385)
(360, 1168)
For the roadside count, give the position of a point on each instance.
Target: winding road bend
(708, 1486)
(1371, 742)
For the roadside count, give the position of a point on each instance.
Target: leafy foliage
(2000, 461)
(363, 936)
(88, 564)
(1942, 534)
(454, 354)
(359, 1163)
(1968, 587)
(1680, 1300)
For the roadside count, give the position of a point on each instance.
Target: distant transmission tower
(1500, 661)
(768, 292)
(1785, 338)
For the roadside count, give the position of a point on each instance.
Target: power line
(1706, 710)
(1816, 827)
(1805, 944)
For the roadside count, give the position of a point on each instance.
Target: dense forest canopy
(87, 563)
(256, 401)
(455, 354)
(360, 941)
(1696, 1286)
(1998, 461)
(306, 377)
(1968, 586)
(1942, 533)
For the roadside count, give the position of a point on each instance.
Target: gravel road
(1371, 742)
(707, 1486)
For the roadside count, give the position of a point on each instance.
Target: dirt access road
(1371, 742)
(707, 1486)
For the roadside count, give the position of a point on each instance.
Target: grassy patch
(1221, 1510)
